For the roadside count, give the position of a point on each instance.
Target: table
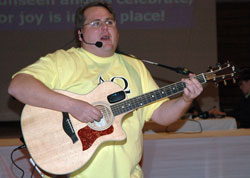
(193, 125)
(211, 154)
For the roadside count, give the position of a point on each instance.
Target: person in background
(241, 112)
(80, 70)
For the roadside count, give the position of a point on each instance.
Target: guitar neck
(150, 97)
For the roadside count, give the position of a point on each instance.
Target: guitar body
(52, 149)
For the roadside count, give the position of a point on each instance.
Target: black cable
(201, 129)
(11, 156)
(33, 170)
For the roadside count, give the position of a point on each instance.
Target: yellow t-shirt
(79, 71)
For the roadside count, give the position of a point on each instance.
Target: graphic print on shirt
(123, 82)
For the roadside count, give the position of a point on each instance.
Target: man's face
(107, 34)
(245, 86)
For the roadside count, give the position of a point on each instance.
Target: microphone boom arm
(179, 70)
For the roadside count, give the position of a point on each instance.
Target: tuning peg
(233, 69)
(218, 65)
(234, 80)
(210, 68)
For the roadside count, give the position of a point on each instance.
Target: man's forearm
(170, 111)
(31, 91)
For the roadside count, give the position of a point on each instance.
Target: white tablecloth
(193, 125)
(197, 125)
(212, 157)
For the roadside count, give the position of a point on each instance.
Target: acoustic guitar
(60, 144)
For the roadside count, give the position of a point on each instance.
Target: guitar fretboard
(148, 98)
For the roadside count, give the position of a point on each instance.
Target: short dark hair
(80, 19)
(244, 74)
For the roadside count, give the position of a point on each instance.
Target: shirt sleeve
(45, 70)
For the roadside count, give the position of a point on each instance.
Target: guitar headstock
(222, 73)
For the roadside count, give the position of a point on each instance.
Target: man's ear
(80, 35)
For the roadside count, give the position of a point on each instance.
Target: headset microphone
(97, 44)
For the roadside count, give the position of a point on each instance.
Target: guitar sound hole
(106, 121)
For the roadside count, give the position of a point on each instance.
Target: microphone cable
(34, 165)
(201, 129)
(97, 44)
(12, 160)
(192, 132)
